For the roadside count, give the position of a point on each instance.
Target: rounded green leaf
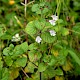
(46, 37)
(38, 25)
(52, 62)
(42, 4)
(8, 60)
(31, 67)
(21, 62)
(59, 71)
(42, 67)
(46, 58)
(45, 10)
(6, 51)
(31, 55)
(24, 46)
(14, 73)
(38, 55)
(30, 29)
(35, 7)
(38, 11)
(64, 31)
(4, 74)
(33, 46)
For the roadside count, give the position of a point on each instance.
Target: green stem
(25, 8)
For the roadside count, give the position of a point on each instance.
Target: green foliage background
(54, 56)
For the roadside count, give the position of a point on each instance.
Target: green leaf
(63, 52)
(38, 11)
(18, 50)
(8, 60)
(36, 76)
(38, 55)
(64, 31)
(6, 51)
(45, 10)
(14, 73)
(76, 29)
(38, 25)
(35, 7)
(60, 21)
(6, 36)
(31, 55)
(4, 74)
(42, 67)
(11, 46)
(42, 4)
(21, 62)
(58, 46)
(74, 56)
(49, 72)
(46, 58)
(24, 46)
(52, 61)
(34, 55)
(33, 46)
(30, 29)
(59, 71)
(31, 67)
(46, 37)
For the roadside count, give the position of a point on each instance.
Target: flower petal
(55, 18)
(52, 32)
(38, 39)
(52, 22)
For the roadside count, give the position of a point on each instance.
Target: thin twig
(25, 5)
(30, 2)
(18, 21)
(25, 8)
(24, 73)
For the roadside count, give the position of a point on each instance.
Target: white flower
(52, 22)
(38, 39)
(52, 32)
(16, 38)
(55, 18)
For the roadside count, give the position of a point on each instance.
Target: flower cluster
(38, 38)
(53, 22)
(52, 32)
(54, 19)
(16, 38)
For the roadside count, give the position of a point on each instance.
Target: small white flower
(38, 39)
(52, 32)
(17, 35)
(16, 38)
(55, 18)
(52, 22)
